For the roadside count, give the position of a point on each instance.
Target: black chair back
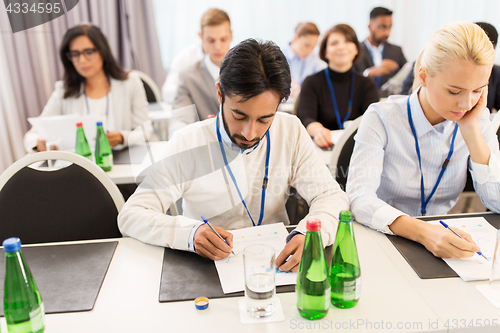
(51, 206)
(344, 160)
(150, 96)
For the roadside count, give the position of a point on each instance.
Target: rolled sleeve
(486, 173)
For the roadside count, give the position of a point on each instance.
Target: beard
(235, 136)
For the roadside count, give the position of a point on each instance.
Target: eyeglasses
(74, 56)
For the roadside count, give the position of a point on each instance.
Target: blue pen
(456, 233)
(215, 231)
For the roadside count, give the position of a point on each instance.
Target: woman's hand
(445, 244)
(321, 136)
(440, 241)
(470, 121)
(114, 138)
(41, 145)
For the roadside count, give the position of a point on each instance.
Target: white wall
(414, 21)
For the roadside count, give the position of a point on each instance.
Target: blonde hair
(213, 17)
(455, 41)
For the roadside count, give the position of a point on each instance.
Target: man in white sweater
(237, 169)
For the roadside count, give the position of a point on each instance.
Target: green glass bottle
(103, 155)
(345, 274)
(23, 306)
(82, 146)
(312, 288)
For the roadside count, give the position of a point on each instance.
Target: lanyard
(378, 79)
(443, 167)
(264, 183)
(340, 123)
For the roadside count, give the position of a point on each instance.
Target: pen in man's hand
(215, 231)
(456, 233)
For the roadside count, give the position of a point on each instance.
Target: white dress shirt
(377, 53)
(213, 69)
(300, 68)
(384, 176)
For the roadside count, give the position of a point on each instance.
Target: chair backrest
(341, 153)
(153, 94)
(77, 202)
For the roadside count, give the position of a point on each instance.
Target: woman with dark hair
(94, 84)
(336, 94)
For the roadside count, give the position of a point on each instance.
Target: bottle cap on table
(201, 303)
(11, 245)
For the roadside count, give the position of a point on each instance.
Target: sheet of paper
(230, 270)
(63, 128)
(484, 235)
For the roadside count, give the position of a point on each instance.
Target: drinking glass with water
(260, 286)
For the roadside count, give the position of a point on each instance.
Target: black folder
(186, 276)
(424, 263)
(130, 155)
(68, 277)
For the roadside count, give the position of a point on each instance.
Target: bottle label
(327, 298)
(352, 289)
(37, 318)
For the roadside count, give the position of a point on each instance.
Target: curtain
(30, 65)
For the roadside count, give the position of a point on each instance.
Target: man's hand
(387, 66)
(294, 248)
(207, 244)
(114, 138)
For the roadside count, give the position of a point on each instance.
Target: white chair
(153, 93)
(342, 151)
(75, 202)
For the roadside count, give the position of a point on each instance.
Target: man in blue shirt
(302, 59)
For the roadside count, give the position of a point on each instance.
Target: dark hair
(306, 28)
(379, 11)
(252, 68)
(73, 80)
(350, 36)
(490, 31)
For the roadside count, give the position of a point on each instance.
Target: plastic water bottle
(23, 306)
(82, 146)
(103, 155)
(313, 288)
(345, 274)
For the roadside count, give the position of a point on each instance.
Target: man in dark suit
(380, 60)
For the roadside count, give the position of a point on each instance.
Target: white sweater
(194, 171)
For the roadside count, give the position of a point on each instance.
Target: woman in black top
(339, 48)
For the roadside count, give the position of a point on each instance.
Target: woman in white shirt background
(412, 153)
(94, 84)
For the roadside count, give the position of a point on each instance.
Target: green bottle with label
(23, 306)
(345, 273)
(313, 288)
(103, 155)
(82, 146)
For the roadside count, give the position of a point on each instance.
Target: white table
(391, 295)
(131, 173)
